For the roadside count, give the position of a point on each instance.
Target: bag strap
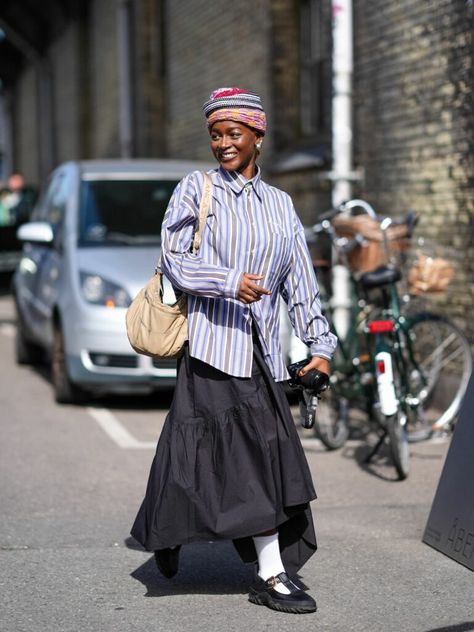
(203, 209)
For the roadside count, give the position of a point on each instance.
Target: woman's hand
(249, 291)
(321, 364)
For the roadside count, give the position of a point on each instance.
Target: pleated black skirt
(229, 465)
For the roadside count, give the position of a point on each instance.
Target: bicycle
(392, 364)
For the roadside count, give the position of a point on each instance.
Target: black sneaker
(167, 561)
(263, 593)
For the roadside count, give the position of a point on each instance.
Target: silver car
(92, 243)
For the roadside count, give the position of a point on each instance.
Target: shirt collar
(237, 182)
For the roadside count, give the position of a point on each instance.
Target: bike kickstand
(377, 447)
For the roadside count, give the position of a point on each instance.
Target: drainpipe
(125, 78)
(342, 173)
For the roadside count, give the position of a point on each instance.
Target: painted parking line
(7, 329)
(117, 432)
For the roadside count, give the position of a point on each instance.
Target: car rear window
(123, 212)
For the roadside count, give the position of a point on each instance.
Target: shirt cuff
(232, 283)
(322, 350)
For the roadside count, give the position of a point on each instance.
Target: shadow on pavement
(380, 466)
(468, 626)
(154, 401)
(204, 568)
(158, 400)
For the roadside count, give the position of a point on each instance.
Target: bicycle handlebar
(350, 204)
(348, 245)
(329, 215)
(324, 225)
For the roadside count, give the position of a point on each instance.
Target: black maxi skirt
(229, 465)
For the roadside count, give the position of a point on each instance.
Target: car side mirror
(36, 232)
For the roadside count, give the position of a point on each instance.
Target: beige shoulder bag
(156, 329)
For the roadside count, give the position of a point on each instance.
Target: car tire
(65, 391)
(26, 353)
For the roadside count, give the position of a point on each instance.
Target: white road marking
(435, 440)
(116, 431)
(7, 329)
(311, 443)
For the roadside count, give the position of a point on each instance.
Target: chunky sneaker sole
(291, 606)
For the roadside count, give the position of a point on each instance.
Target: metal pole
(342, 100)
(125, 78)
(342, 143)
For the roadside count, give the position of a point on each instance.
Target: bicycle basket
(429, 275)
(370, 255)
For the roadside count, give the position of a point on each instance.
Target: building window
(315, 28)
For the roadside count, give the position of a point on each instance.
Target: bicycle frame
(354, 369)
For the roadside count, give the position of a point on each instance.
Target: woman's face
(233, 145)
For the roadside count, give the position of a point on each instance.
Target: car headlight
(99, 291)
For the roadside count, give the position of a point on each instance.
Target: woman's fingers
(249, 291)
(260, 290)
(316, 363)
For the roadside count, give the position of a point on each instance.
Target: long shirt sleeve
(300, 290)
(187, 270)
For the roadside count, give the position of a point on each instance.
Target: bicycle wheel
(396, 425)
(438, 362)
(331, 423)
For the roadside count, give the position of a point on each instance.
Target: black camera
(309, 387)
(315, 381)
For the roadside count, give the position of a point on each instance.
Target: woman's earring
(258, 145)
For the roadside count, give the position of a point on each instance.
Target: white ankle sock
(269, 559)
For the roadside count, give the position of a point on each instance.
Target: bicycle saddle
(382, 275)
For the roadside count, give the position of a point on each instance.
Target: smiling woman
(229, 463)
(233, 145)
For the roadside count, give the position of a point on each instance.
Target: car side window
(39, 211)
(56, 200)
(53, 206)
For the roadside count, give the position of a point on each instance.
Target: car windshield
(125, 212)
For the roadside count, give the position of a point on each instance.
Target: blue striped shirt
(251, 227)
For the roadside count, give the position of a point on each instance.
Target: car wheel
(65, 391)
(26, 352)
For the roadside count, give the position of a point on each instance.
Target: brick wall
(413, 123)
(210, 47)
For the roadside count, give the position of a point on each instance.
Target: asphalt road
(71, 482)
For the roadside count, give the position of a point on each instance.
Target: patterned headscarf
(235, 104)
